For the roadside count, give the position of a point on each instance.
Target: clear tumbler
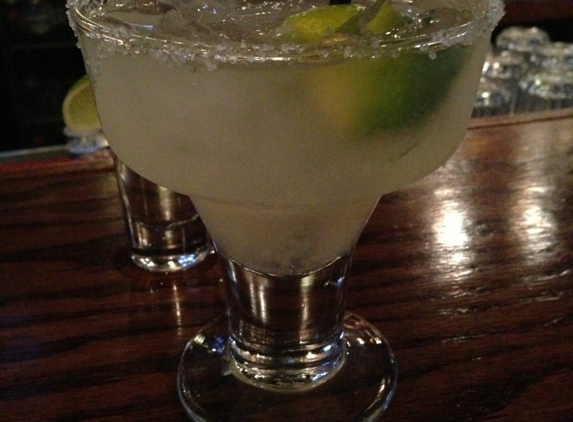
(164, 230)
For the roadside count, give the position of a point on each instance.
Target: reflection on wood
(468, 273)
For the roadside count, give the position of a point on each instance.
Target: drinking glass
(553, 54)
(492, 98)
(164, 230)
(549, 82)
(545, 89)
(521, 39)
(285, 135)
(506, 69)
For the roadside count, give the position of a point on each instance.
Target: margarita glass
(285, 122)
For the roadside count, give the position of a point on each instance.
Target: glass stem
(286, 332)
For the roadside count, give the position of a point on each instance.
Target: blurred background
(40, 61)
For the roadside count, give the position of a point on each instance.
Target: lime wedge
(315, 25)
(386, 19)
(412, 86)
(389, 93)
(79, 109)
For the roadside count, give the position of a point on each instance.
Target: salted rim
(132, 39)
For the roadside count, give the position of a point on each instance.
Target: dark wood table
(468, 273)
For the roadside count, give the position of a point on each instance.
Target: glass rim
(181, 50)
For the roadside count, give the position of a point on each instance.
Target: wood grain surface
(468, 273)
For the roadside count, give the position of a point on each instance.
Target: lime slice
(79, 109)
(386, 19)
(390, 93)
(315, 25)
(367, 96)
(413, 83)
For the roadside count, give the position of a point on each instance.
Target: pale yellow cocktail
(285, 122)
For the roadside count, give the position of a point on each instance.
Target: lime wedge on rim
(79, 109)
(386, 19)
(316, 24)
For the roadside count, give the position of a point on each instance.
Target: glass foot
(360, 391)
(170, 263)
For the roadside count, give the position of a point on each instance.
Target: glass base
(360, 391)
(170, 263)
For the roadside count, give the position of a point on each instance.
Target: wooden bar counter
(468, 273)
